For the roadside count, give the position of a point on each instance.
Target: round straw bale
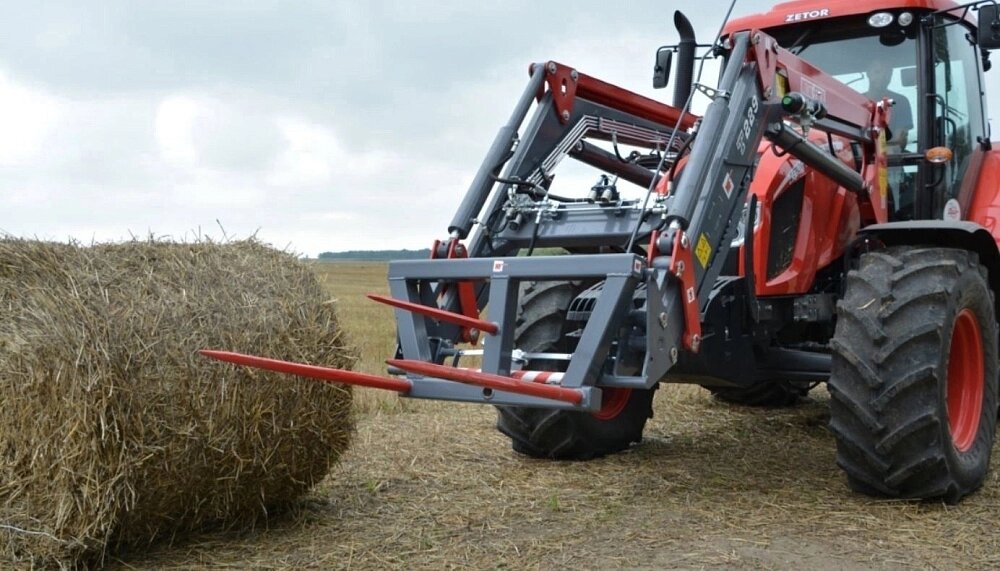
(115, 431)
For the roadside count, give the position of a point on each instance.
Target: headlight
(880, 20)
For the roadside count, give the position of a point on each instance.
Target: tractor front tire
(913, 384)
(763, 394)
(562, 434)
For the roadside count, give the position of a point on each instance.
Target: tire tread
(888, 410)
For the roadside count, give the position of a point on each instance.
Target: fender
(961, 235)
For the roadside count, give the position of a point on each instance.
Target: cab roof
(800, 11)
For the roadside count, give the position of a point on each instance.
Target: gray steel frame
(621, 273)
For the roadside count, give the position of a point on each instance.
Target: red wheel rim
(613, 402)
(965, 381)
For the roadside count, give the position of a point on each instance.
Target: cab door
(956, 114)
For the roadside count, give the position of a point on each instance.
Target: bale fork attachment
(691, 228)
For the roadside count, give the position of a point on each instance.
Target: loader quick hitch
(682, 268)
(454, 249)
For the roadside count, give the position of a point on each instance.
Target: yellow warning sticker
(883, 182)
(883, 172)
(703, 251)
(780, 84)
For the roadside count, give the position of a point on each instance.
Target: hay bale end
(116, 432)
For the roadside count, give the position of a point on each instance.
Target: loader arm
(763, 88)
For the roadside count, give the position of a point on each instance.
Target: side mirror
(989, 27)
(661, 71)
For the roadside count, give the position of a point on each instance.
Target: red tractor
(830, 217)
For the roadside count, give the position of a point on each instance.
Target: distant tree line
(377, 255)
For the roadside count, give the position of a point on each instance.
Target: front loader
(801, 230)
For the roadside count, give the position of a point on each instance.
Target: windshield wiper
(801, 43)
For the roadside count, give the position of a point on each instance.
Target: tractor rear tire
(763, 394)
(913, 384)
(563, 434)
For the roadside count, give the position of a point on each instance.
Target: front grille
(785, 216)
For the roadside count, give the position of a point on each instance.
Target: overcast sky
(319, 125)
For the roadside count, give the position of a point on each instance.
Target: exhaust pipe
(685, 59)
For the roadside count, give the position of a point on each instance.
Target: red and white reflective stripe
(490, 381)
(547, 377)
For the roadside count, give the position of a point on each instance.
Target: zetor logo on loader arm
(798, 16)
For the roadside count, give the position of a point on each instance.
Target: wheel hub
(965, 381)
(613, 402)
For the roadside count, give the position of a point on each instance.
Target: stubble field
(429, 485)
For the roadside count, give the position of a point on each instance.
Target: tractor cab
(924, 57)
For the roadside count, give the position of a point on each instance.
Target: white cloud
(27, 118)
(308, 157)
(330, 216)
(218, 193)
(175, 120)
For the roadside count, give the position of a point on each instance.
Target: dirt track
(712, 486)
